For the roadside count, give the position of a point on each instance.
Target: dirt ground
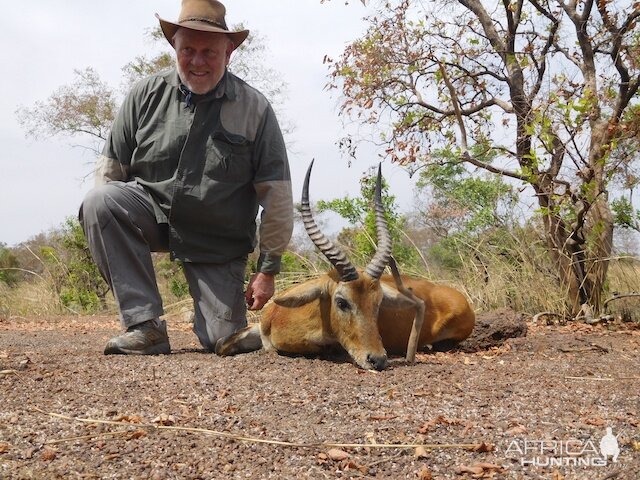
(530, 407)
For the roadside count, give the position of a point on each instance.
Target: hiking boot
(147, 338)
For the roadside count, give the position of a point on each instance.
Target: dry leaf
(128, 418)
(484, 447)
(382, 417)
(480, 470)
(424, 474)
(421, 452)
(48, 454)
(337, 455)
(4, 447)
(635, 444)
(370, 437)
(139, 433)
(464, 469)
(164, 419)
(351, 465)
(439, 420)
(597, 421)
(556, 476)
(516, 430)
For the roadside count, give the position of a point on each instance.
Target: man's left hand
(261, 288)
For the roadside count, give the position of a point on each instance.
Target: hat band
(205, 20)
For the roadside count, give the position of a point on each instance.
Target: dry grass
(34, 297)
(525, 286)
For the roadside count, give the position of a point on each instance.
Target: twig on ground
(242, 438)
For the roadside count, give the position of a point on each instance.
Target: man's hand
(260, 289)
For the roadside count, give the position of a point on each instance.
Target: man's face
(201, 58)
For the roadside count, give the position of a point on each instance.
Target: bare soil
(67, 411)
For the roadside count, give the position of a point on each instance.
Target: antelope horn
(337, 258)
(383, 252)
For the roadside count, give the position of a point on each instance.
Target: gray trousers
(122, 231)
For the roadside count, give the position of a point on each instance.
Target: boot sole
(159, 349)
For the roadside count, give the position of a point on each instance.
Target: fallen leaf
(128, 418)
(422, 393)
(8, 372)
(439, 420)
(464, 469)
(480, 470)
(164, 419)
(351, 465)
(370, 437)
(596, 421)
(4, 447)
(518, 429)
(337, 455)
(48, 454)
(424, 474)
(421, 452)
(484, 447)
(635, 444)
(382, 417)
(139, 433)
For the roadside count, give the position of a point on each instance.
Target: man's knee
(95, 207)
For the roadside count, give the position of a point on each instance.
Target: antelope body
(362, 311)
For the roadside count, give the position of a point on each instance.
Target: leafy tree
(359, 211)
(538, 91)
(84, 108)
(8, 265)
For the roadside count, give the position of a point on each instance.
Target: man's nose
(198, 59)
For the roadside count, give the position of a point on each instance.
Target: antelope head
(349, 300)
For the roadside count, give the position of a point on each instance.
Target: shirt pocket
(228, 158)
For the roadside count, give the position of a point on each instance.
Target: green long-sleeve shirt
(208, 162)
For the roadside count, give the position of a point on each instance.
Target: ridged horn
(383, 252)
(337, 258)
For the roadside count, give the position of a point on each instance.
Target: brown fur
(307, 318)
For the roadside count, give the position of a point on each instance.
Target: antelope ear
(303, 294)
(392, 298)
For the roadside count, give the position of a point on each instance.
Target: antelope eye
(342, 304)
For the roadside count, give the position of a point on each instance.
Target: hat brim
(170, 28)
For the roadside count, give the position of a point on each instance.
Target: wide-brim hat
(204, 16)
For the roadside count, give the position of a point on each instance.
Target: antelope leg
(412, 345)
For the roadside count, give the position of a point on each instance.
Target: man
(192, 154)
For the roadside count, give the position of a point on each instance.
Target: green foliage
(173, 274)
(79, 283)
(479, 203)
(625, 215)
(359, 211)
(8, 264)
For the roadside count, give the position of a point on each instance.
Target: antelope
(368, 314)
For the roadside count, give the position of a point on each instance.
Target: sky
(42, 182)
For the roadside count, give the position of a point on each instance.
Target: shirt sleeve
(273, 187)
(115, 160)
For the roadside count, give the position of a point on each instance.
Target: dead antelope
(365, 312)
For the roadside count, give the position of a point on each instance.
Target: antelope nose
(379, 362)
